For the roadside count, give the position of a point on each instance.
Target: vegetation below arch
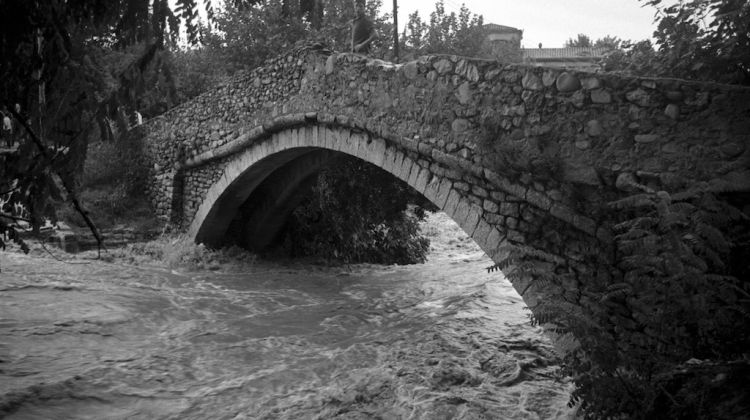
(356, 213)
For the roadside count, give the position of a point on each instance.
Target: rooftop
(569, 52)
(493, 27)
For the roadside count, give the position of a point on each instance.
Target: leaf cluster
(357, 213)
(703, 40)
(676, 298)
(445, 33)
(77, 70)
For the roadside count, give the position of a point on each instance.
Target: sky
(550, 22)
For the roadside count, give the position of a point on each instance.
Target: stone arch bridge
(513, 154)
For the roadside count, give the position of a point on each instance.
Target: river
(443, 340)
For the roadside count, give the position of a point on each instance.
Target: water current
(441, 340)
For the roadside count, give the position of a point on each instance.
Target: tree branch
(14, 218)
(68, 188)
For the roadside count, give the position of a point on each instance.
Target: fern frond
(519, 253)
(634, 201)
(644, 222)
(634, 233)
(527, 252)
(682, 207)
(694, 261)
(562, 314)
(728, 185)
(503, 264)
(690, 194)
(616, 290)
(643, 246)
(734, 214)
(713, 237)
(673, 219)
(719, 278)
(712, 256)
(494, 267)
(634, 262)
(710, 218)
(538, 275)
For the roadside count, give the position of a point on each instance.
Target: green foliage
(357, 213)
(581, 41)
(196, 70)
(609, 42)
(460, 34)
(244, 39)
(672, 302)
(73, 67)
(634, 58)
(114, 194)
(703, 40)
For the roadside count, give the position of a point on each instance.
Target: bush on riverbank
(358, 213)
(113, 193)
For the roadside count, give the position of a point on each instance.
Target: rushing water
(443, 340)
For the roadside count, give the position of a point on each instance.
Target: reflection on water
(442, 340)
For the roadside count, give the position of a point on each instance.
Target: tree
(635, 58)
(609, 42)
(702, 40)
(310, 10)
(581, 41)
(54, 54)
(355, 213)
(460, 34)
(245, 37)
(705, 39)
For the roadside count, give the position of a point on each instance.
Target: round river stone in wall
(594, 128)
(410, 70)
(600, 96)
(672, 111)
(531, 81)
(566, 82)
(460, 125)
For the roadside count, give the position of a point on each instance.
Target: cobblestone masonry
(455, 129)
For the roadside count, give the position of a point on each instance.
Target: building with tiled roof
(503, 43)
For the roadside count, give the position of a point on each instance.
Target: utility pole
(395, 29)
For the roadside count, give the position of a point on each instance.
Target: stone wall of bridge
(558, 143)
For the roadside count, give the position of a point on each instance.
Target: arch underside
(265, 212)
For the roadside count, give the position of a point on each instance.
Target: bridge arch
(306, 149)
(494, 212)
